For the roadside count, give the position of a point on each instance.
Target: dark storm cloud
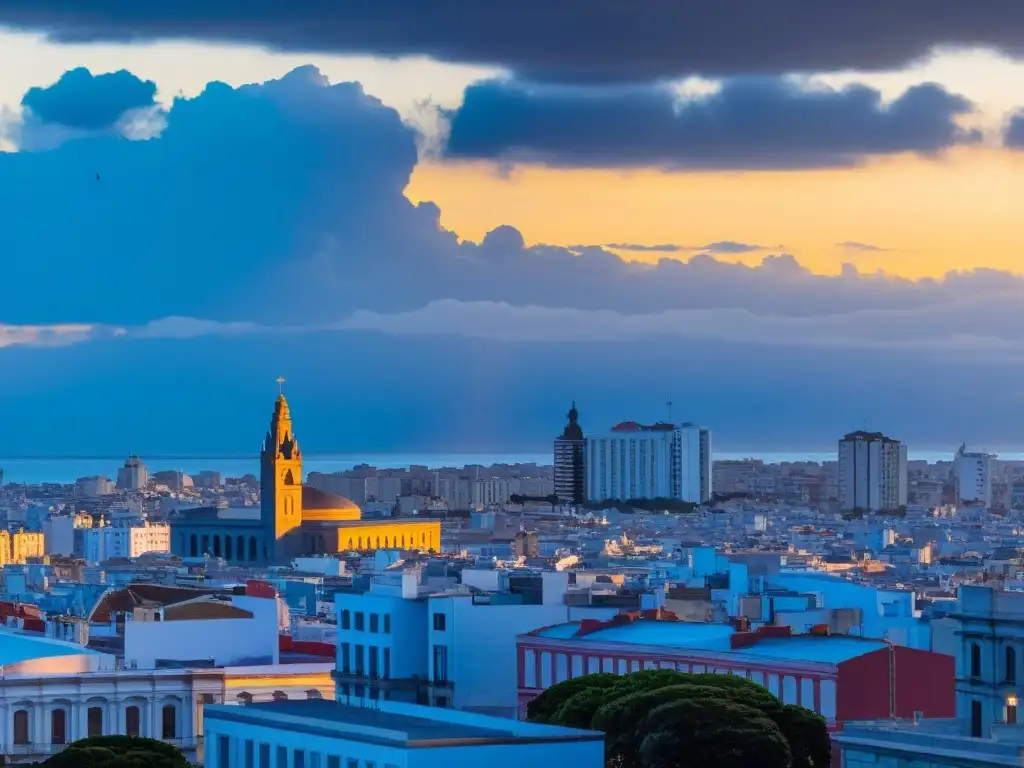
(598, 40)
(750, 123)
(283, 204)
(88, 102)
(1014, 135)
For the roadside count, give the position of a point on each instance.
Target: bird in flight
(97, 176)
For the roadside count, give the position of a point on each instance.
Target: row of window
(356, 657)
(257, 755)
(94, 724)
(1009, 663)
(357, 621)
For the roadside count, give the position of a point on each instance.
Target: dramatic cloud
(723, 246)
(748, 123)
(570, 39)
(1014, 135)
(87, 102)
(853, 245)
(265, 232)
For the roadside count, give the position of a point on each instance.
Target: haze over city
(441, 238)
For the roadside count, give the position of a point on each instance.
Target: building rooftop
(392, 724)
(16, 648)
(717, 638)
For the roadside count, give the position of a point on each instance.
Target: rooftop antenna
(669, 404)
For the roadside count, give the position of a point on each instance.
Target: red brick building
(842, 678)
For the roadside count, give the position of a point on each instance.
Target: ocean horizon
(32, 470)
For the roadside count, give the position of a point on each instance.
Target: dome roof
(313, 499)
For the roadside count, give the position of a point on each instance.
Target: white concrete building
(322, 734)
(972, 472)
(872, 472)
(43, 712)
(97, 545)
(448, 646)
(635, 461)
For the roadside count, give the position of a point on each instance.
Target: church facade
(293, 519)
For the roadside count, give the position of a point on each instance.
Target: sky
(443, 227)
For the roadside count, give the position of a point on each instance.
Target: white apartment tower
(634, 461)
(973, 475)
(872, 472)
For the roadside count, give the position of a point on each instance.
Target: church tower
(280, 478)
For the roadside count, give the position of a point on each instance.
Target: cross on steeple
(280, 385)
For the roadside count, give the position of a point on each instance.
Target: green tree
(118, 752)
(544, 707)
(716, 734)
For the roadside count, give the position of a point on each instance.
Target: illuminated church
(293, 519)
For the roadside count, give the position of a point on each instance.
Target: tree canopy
(664, 719)
(118, 752)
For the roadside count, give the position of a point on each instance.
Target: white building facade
(973, 475)
(634, 461)
(103, 543)
(872, 472)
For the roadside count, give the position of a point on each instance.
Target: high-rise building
(973, 474)
(637, 461)
(570, 461)
(872, 472)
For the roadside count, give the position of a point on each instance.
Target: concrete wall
(226, 641)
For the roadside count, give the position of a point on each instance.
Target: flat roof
(15, 648)
(429, 727)
(831, 649)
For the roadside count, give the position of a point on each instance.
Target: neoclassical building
(293, 519)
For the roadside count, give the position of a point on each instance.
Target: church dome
(327, 507)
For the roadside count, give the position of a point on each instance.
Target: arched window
(386, 545)
(21, 727)
(240, 549)
(403, 542)
(252, 549)
(58, 727)
(228, 548)
(193, 546)
(94, 726)
(975, 660)
(169, 722)
(1011, 664)
(132, 721)
(359, 546)
(216, 546)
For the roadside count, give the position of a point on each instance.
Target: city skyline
(349, 212)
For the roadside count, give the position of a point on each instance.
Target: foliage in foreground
(667, 719)
(118, 752)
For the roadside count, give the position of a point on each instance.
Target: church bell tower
(280, 477)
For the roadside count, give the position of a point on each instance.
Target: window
(169, 722)
(1011, 664)
(346, 661)
(1011, 710)
(264, 756)
(440, 622)
(387, 623)
(58, 727)
(95, 721)
(387, 663)
(333, 761)
(282, 757)
(975, 660)
(346, 619)
(298, 759)
(359, 621)
(976, 719)
(223, 751)
(131, 722)
(374, 671)
(440, 663)
(374, 619)
(21, 727)
(249, 754)
(359, 660)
